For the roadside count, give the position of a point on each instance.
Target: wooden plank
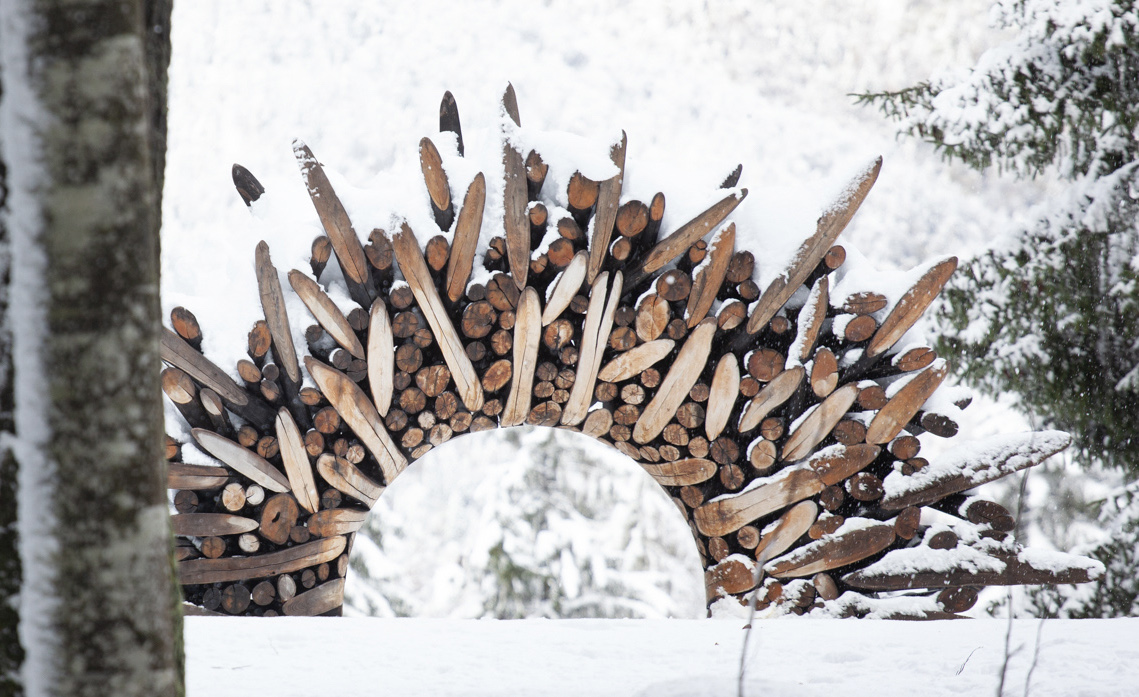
(244, 461)
(319, 600)
(466, 239)
(515, 200)
(345, 243)
(327, 314)
(605, 211)
(791, 526)
(360, 414)
(598, 324)
(176, 352)
(892, 418)
(710, 275)
(381, 356)
(207, 524)
(636, 360)
(836, 463)
(911, 307)
(685, 472)
(348, 479)
(830, 225)
(273, 304)
(228, 569)
(819, 423)
(831, 552)
(681, 377)
(810, 322)
(415, 271)
(722, 396)
(336, 521)
(770, 398)
(680, 240)
(195, 477)
(297, 465)
(566, 287)
(727, 514)
(527, 334)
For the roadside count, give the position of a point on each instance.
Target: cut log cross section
(781, 420)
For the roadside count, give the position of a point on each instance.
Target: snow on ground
(657, 658)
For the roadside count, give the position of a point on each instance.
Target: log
(824, 372)
(635, 361)
(527, 333)
(859, 329)
(762, 455)
(327, 314)
(195, 477)
(864, 303)
(597, 423)
(770, 398)
(348, 479)
(324, 598)
(765, 364)
(210, 524)
(790, 527)
(830, 225)
(338, 521)
(229, 569)
(685, 472)
(731, 576)
(836, 463)
(911, 307)
(247, 463)
(233, 497)
(893, 417)
(176, 352)
(213, 547)
(566, 287)
(381, 357)
(726, 514)
(819, 423)
(653, 316)
(185, 502)
(681, 377)
(319, 254)
(466, 239)
(605, 212)
(295, 458)
(438, 188)
(186, 325)
(603, 303)
(449, 119)
(833, 551)
(1005, 569)
(496, 376)
(710, 275)
(913, 359)
(273, 304)
(415, 270)
(246, 184)
(514, 201)
(360, 415)
(536, 171)
(722, 397)
(278, 518)
(349, 251)
(182, 391)
(810, 322)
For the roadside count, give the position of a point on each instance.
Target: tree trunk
(83, 133)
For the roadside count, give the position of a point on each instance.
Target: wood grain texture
(515, 199)
(527, 335)
(381, 356)
(636, 360)
(605, 211)
(336, 521)
(911, 307)
(327, 314)
(678, 242)
(725, 390)
(686, 472)
(244, 461)
(297, 465)
(770, 398)
(566, 287)
(603, 302)
(727, 514)
(832, 552)
(207, 524)
(466, 239)
(819, 423)
(195, 477)
(229, 569)
(325, 597)
(348, 479)
(892, 418)
(273, 304)
(790, 527)
(710, 275)
(682, 375)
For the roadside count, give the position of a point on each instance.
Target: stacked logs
(786, 436)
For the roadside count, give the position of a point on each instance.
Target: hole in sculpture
(525, 522)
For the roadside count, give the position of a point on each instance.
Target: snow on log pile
(779, 410)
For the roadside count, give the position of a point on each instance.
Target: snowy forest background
(524, 524)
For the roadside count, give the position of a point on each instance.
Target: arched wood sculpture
(783, 429)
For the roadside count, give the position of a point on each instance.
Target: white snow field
(658, 658)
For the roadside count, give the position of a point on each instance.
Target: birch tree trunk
(98, 608)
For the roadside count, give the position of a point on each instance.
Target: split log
(771, 397)
(819, 423)
(566, 287)
(210, 524)
(229, 569)
(911, 307)
(598, 423)
(790, 527)
(338, 521)
(832, 552)
(729, 513)
(810, 253)
(247, 463)
(414, 269)
(636, 360)
(514, 201)
(681, 378)
(722, 398)
(438, 188)
(360, 415)
(449, 119)
(893, 417)
(326, 313)
(348, 479)
(195, 477)
(598, 323)
(296, 462)
(318, 601)
(466, 239)
(605, 212)
(527, 332)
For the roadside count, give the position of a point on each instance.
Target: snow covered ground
(658, 658)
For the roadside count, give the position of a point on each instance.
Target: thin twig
(757, 577)
(1008, 633)
(1035, 655)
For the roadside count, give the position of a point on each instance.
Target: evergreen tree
(1051, 312)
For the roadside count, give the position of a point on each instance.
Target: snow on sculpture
(782, 420)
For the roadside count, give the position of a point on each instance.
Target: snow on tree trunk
(97, 604)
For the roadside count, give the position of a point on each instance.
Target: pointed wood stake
(248, 188)
(892, 418)
(811, 319)
(636, 360)
(415, 271)
(273, 304)
(566, 287)
(381, 356)
(814, 248)
(325, 597)
(710, 275)
(595, 335)
(683, 374)
(207, 524)
(605, 212)
(348, 479)
(449, 119)
(360, 414)
(681, 472)
(326, 313)
(770, 398)
(911, 307)
(438, 188)
(726, 514)
(244, 461)
(196, 477)
(175, 351)
(336, 521)
(791, 526)
(836, 463)
(831, 552)
(516, 222)
(466, 239)
(722, 397)
(334, 218)
(297, 465)
(527, 334)
(229, 569)
(819, 423)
